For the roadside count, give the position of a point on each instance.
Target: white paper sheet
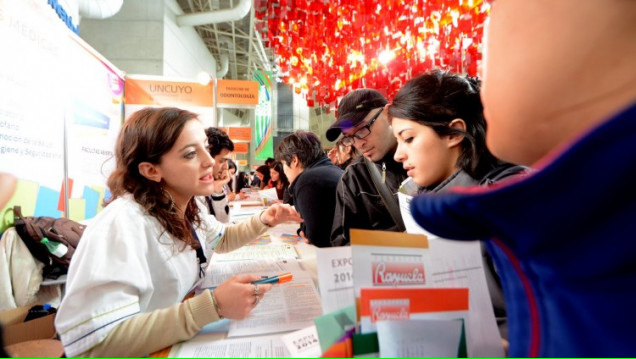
(218, 272)
(239, 214)
(445, 263)
(211, 346)
(303, 343)
(289, 306)
(269, 251)
(335, 275)
(459, 264)
(409, 222)
(268, 196)
(419, 338)
(376, 266)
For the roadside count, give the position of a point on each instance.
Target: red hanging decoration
(326, 49)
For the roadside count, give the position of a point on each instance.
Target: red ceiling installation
(325, 49)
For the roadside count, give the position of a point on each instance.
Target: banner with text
(50, 79)
(144, 90)
(236, 93)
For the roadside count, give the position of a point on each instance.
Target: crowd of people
(535, 162)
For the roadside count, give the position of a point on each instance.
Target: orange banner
(168, 93)
(238, 133)
(236, 93)
(242, 162)
(241, 147)
(422, 300)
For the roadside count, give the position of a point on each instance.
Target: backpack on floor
(58, 230)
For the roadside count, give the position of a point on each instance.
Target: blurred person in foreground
(559, 92)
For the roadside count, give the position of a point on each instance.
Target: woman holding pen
(150, 246)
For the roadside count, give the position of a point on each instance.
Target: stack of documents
(287, 307)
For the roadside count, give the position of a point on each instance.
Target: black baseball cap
(353, 108)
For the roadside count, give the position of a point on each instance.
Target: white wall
(301, 113)
(132, 39)
(142, 38)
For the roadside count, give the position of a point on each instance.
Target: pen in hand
(280, 278)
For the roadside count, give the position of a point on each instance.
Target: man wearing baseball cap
(362, 121)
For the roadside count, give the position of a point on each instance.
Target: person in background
(562, 237)
(149, 247)
(342, 155)
(279, 181)
(255, 181)
(363, 123)
(313, 184)
(229, 188)
(242, 181)
(262, 172)
(221, 148)
(437, 119)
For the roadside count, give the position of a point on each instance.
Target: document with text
(212, 346)
(218, 272)
(270, 251)
(335, 275)
(287, 307)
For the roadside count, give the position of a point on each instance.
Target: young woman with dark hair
(262, 172)
(438, 120)
(279, 181)
(149, 247)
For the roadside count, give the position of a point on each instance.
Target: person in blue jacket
(560, 95)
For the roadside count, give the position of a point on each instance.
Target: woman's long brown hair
(145, 137)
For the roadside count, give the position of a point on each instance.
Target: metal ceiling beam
(234, 68)
(245, 45)
(249, 46)
(211, 17)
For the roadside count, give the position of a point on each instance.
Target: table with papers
(293, 320)
(286, 308)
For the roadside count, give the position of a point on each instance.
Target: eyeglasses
(363, 132)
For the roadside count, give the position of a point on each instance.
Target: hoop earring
(170, 200)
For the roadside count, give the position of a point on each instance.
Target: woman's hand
(237, 296)
(280, 213)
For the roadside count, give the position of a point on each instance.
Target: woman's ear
(149, 171)
(455, 139)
